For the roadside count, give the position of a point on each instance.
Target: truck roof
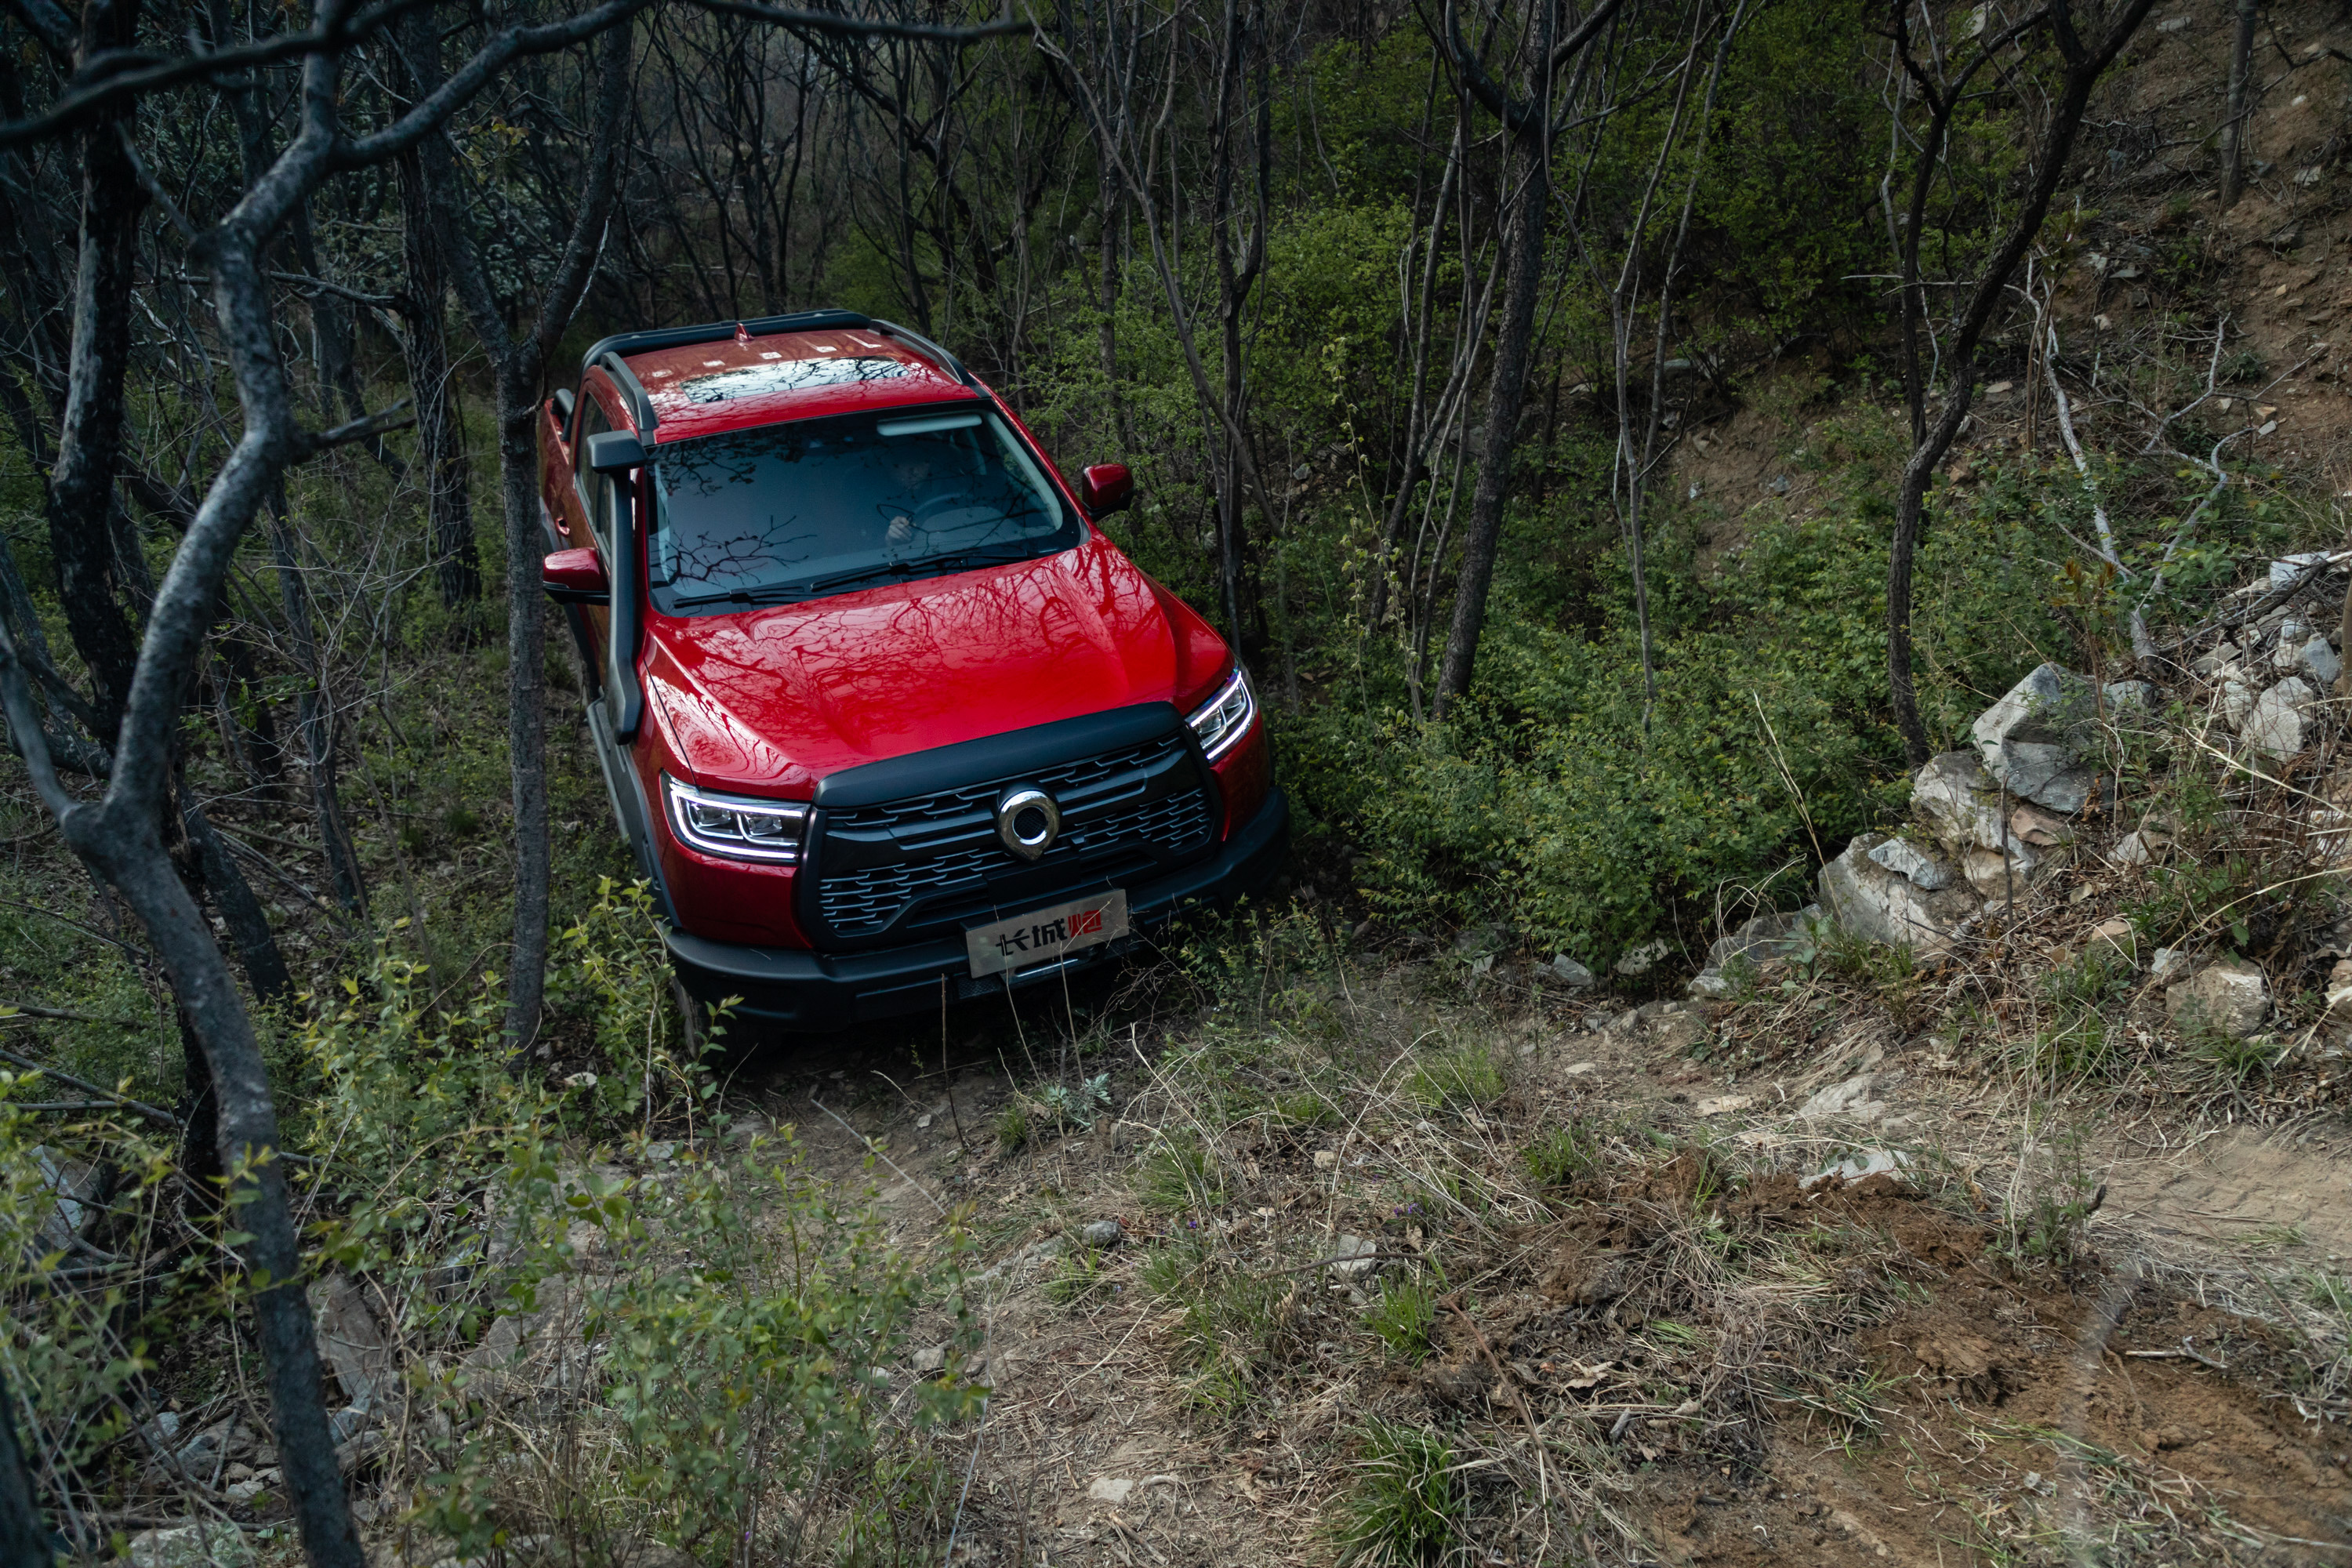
(700, 381)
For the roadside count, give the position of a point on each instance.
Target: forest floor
(1577, 1245)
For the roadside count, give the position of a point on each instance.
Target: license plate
(1041, 936)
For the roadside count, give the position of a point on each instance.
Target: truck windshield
(817, 506)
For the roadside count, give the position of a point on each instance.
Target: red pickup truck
(884, 718)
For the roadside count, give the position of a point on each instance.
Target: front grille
(924, 864)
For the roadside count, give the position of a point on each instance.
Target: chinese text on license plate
(1042, 936)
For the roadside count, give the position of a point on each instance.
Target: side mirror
(1104, 488)
(616, 451)
(562, 403)
(575, 577)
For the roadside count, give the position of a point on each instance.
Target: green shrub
(1408, 1504)
(1403, 1317)
(1565, 1155)
(1466, 1077)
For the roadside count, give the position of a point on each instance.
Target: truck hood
(770, 700)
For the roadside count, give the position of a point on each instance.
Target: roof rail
(952, 364)
(714, 331)
(641, 407)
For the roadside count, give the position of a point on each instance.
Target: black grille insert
(928, 863)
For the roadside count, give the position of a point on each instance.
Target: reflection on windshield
(789, 510)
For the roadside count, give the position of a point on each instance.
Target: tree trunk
(2234, 128)
(99, 579)
(1506, 389)
(314, 722)
(526, 695)
(440, 438)
(23, 1540)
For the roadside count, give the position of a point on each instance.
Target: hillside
(1677, 1104)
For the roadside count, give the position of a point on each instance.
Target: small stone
(2039, 829)
(2238, 696)
(1724, 1104)
(1859, 1167)
(2230, 995)
(1327, 1159)
(1112, 1489)
(1640, 961)
(2166, 964)
(1569, 972)
(2319, 661)
(2339, 993)
(1846, 1099)
(1709, 984)
(1354, 1256)
(580, 1080)
(1581, 1069)
(2130, 694)
(931, 1358)
(2275, 726)
(2222, 657)
(662, 1152)
(192, 1546)
(2287, 568)
(1921, 870)
(1103, 1233)
(2131, 849)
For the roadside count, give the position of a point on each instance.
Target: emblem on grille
(1027, 818)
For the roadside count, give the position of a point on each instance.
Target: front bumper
(802, 990)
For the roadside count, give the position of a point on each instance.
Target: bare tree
(2081, 64)
(520, 362)
(2240, 100)
(1528, 122)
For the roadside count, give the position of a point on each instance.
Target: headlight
(1224, 719)
(734, 825)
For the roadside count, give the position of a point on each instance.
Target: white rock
(2317, 660)
(1959, 803)
(352, 1340)
(1709, 983)
(2238, 695)
(1112, 1489)
(1103, 1233)
(1643, 958)
(1907, 860)
(2287, 568)
(2209, 664)
(2123, 694)
(1724, 1104)
(1852, 1097)
(2276, 725)
(1997, 877)
(2339, 993)
(1857, 1167)
(2131, 849)
(2166, 964)
(2033, 739)
(930, 1358)
(1327, 1159)
(1569, 972)
(1354, 1256)
(1874, 903)
(193, 1545)
(2232, 997)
